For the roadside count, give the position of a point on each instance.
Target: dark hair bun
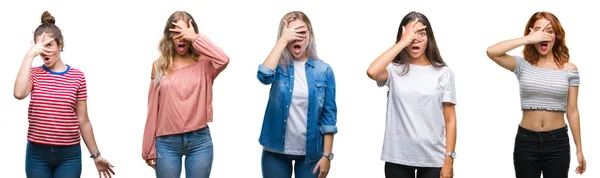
(47, 18)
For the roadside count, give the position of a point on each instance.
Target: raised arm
(215, 54)
(203, 45)
(23, 83)
(377, 70)
(498, 51)
(266, 71)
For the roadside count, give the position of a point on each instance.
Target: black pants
(401, 171)
(537, 152)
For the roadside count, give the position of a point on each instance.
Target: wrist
(526, 40)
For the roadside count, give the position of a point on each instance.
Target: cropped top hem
(533, 108)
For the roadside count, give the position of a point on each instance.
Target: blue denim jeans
(197, 147)
(276, 165)
(45, 161)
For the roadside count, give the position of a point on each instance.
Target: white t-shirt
(415, 125)
(295, 132)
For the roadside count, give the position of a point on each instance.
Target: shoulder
(37, 69)
(153, 74)
(570, 66)
(75, 71)
(322, 65)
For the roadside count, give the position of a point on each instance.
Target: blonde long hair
(311, 49)
(163, 65)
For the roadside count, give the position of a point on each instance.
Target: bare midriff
(543, 120)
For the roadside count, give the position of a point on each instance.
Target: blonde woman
(180, 100)
(300, 119)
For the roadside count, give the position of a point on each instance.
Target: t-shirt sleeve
(33, 75)
(389, 69)
(519, 64)
(449, 89)
(82, 91)
(574, 78)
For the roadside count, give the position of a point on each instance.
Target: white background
(115, 42)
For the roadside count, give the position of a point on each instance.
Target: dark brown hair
(559, 50)
(49, 27)
(432, 52)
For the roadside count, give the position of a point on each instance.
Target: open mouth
(46, 59)
(297, 48)
(544, 45)
(415, 49)
(181, 47)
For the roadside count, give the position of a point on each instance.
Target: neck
(304, 58)
(548, 58)
(59, 66)
(186, 56)
(422, 61)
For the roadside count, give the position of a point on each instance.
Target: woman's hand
(296, 32)
(537, 36)
(189, 33)
(409, 33)
(582, 164)
(151, 163)
(39, 47)
(104, 167)
(447, 168)
(323, 167)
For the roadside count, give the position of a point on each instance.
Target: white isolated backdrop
(114, 44)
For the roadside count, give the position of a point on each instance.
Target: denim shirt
(322, 109)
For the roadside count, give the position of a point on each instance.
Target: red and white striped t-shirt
(54, 96)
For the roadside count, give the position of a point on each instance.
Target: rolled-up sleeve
(265, 75)
(328, 117)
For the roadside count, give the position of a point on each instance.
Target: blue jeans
(276, 165)
(197, 147)
(45, 161)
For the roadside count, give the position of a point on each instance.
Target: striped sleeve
(82, 91)
(519, 64)
(574, 78)
(33, 75)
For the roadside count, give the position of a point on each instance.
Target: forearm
(573, 119)
(328, 143)
(378, 66)
(21, 88)
(87, 133)
(273, 58)
(450, 136)
(503, 47)
(215, 54)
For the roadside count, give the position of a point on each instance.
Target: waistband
(564, 129)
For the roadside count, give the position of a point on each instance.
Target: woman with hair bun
(57, 110)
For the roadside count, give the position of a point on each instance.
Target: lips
(415, 49)
(544, 46)
(297, 48)
(181, 47)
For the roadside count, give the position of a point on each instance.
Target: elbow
(489, 52)
(19, 96)
(372, 73)
(574, 115)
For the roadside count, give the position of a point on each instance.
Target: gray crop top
(544, 89)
